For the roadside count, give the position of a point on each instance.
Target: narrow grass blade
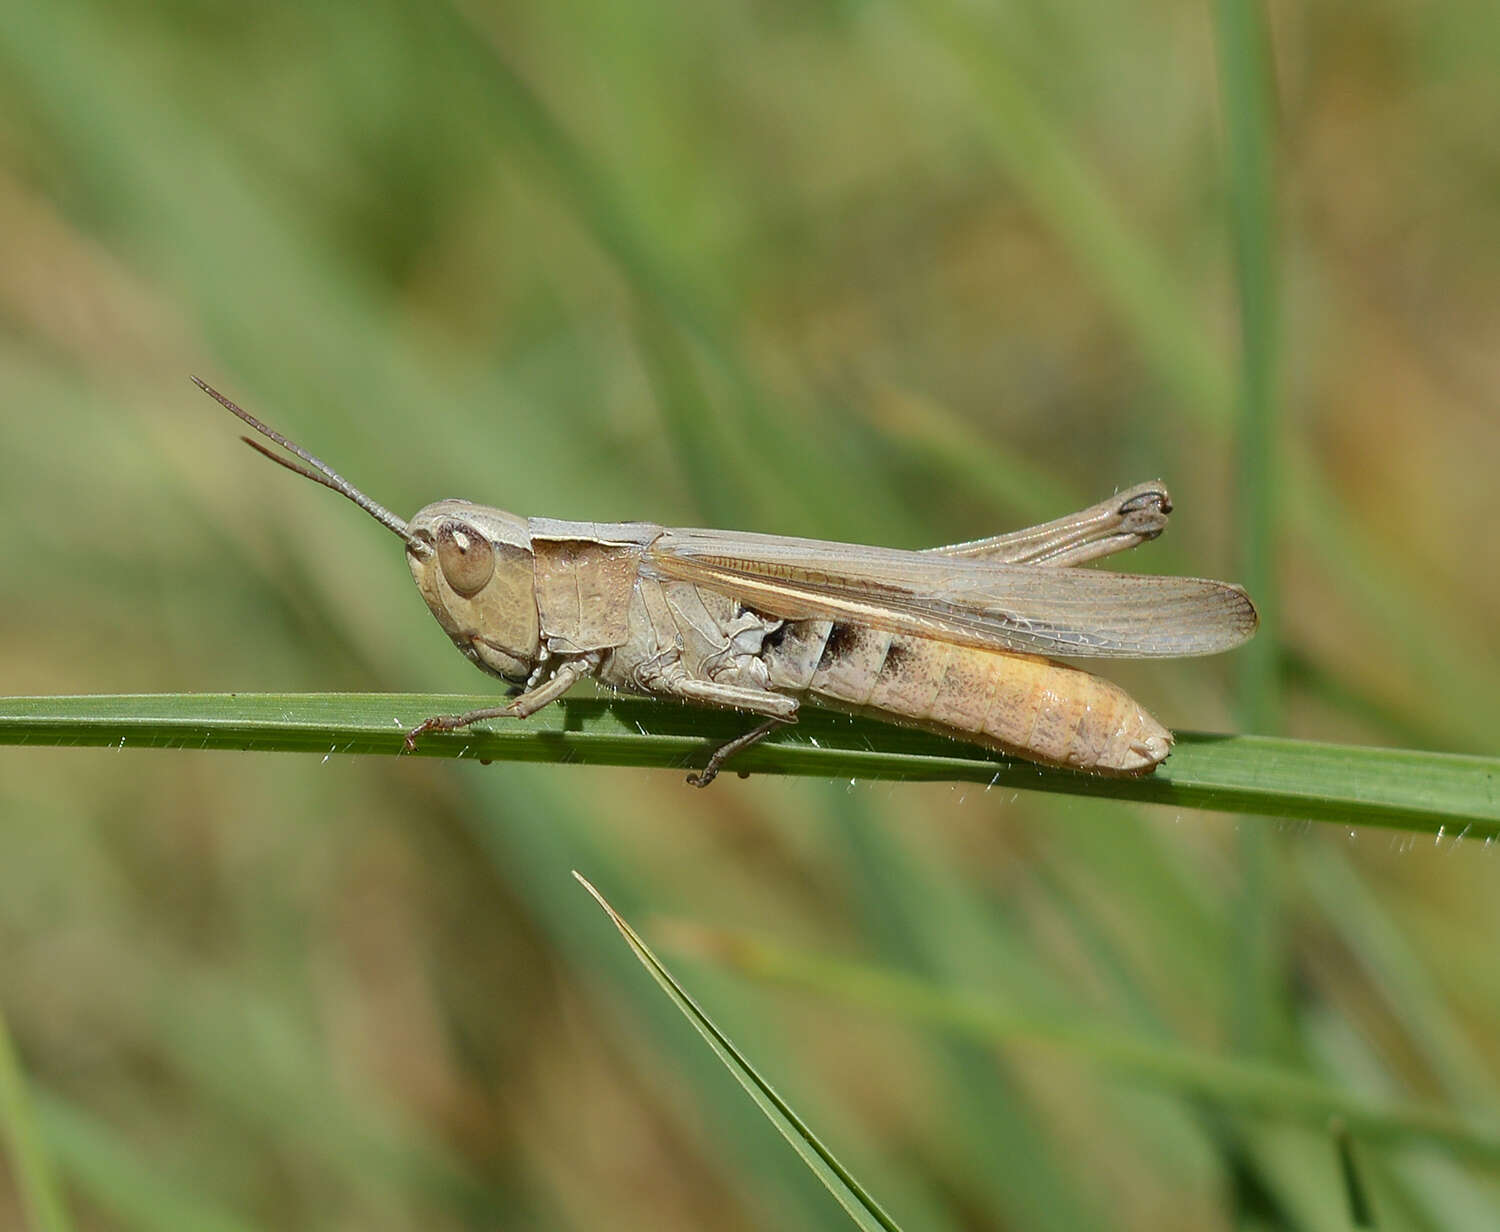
(120, 1181)
(1246, 1085)
(848, 1192)
(1442, 794)
(1246, 72)
(1361, 1213)
(41, 1196)
(1245, 75)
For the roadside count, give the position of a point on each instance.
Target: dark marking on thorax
(776, 636)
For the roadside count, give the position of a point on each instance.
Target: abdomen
(1020, 704)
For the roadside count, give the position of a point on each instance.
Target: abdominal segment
(1020, 704)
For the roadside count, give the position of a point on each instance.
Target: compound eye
(466, 557)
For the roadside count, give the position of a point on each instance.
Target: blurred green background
(885, 270)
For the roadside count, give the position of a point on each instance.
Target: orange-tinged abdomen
(1020, 704)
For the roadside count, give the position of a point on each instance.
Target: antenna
(319, 472)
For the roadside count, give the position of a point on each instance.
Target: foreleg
(528, 703)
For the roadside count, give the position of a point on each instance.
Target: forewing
(1077, 613)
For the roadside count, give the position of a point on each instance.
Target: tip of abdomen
(1148, 748)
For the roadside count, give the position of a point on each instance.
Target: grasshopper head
(478, 578)
(472, 564)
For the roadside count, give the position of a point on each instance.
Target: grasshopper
(958, 640)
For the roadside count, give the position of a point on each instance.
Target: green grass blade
(41, 1196)
(1361, 1213)
(847, 1191)
(1245, 76)
(1247, 1085)
(1446, 795)
(122, 1182)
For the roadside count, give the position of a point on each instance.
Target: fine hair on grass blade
(848, 1192)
